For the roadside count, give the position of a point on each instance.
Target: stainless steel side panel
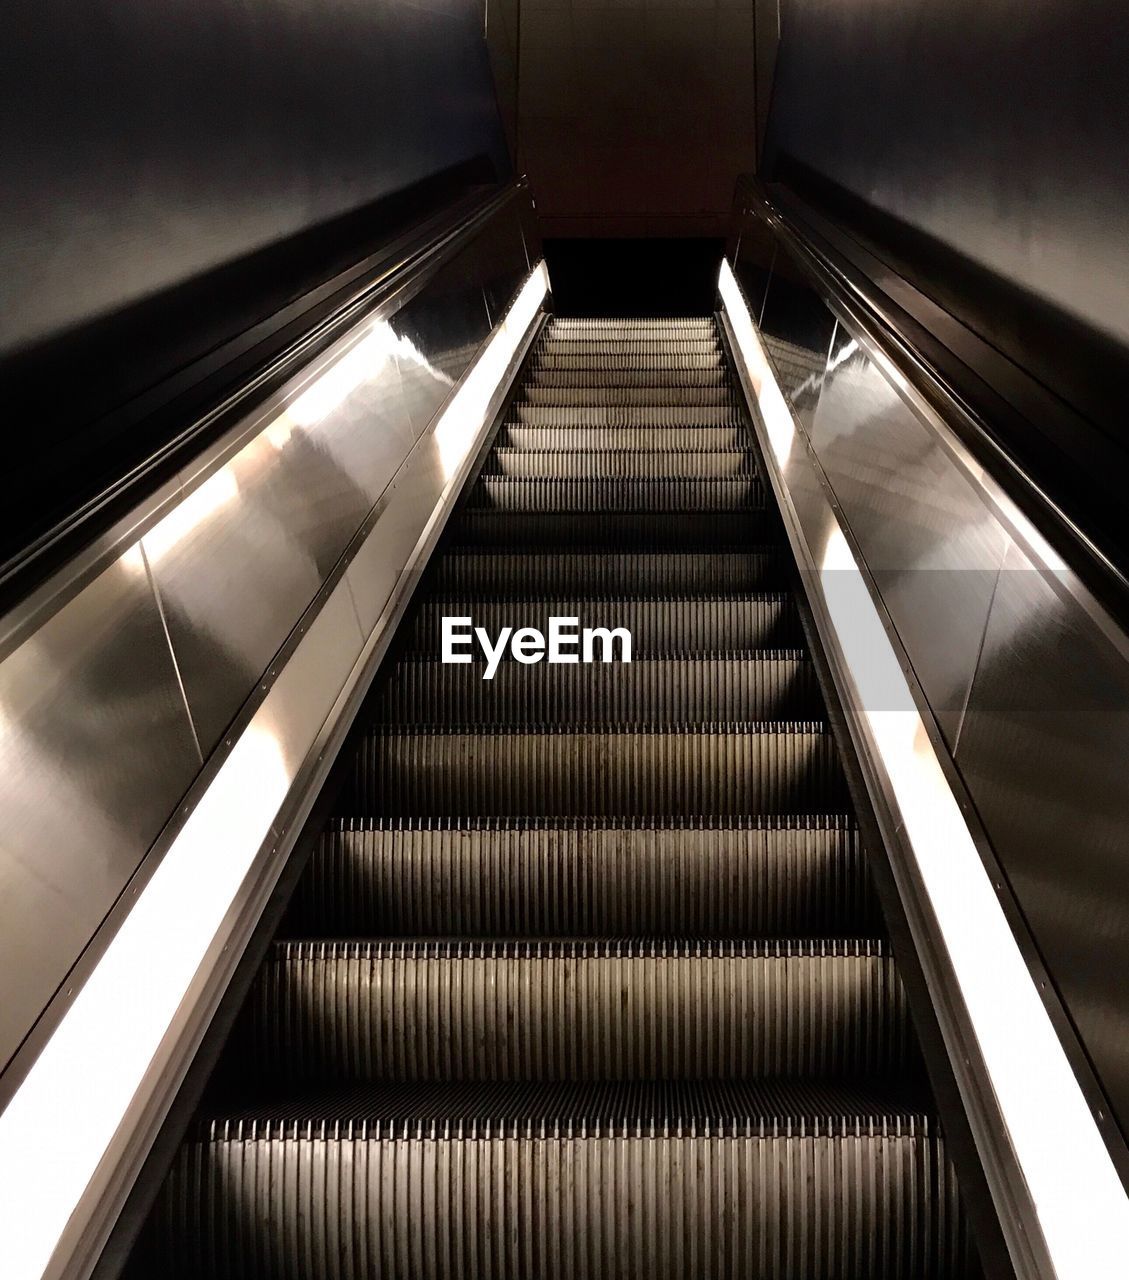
(1045, 754)
(109, 708)
(930, 543)
(94, 740)
(1026, 676)
(251, 546)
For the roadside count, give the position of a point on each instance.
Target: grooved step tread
(669, 627)
(627, 377)
(594, 363)
(635, 1108)
(753, 877)
(651, 464)
(575, 1009)
(623, 415)
(516, 435)
(615, 531)
(691, 326)
(762, 686)
(631, 494)
(668, 397)
(632, 346)
(519, 572)
(601, 772)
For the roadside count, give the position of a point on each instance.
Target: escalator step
(533, 572)
(791, 878)
(633, 345)
(751, 1108)
(518, 435)
(652, 464)
(599, 772)
(748, 687)
(844, 1188)
(658, 376)
(593, 498)
(581, 1009)
(631, 324)
(589, 415)
(667, 396)
(669, 626)
(598, 364)
(618, 531)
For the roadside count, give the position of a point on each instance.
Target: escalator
(587, 978)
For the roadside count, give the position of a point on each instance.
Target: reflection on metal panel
(502, 274)
(447, 320)
(1044, 751)
(931, 544)
(95, 748)
(248, 550)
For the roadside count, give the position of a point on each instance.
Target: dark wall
(147, 143)
(192, 163)
(988, 140)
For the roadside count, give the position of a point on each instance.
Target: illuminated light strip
(75, 1099)
(1081, 1205)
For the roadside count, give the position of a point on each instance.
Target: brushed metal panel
(447, 320)
(502, 261)
(793, 314)
(1044, 752)
(350, 429)
(95, 752)
(307, 686)
(930, 541)
(399, 524)
(246, 552)
(424, 386)
(235, 569)
(756, 253)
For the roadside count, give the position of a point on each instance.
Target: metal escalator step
(599, 498)
(530, 572)
(636, 771)
(773, 1181)
(631, 324)
(672, 626)
(658, 464)
(667, 396)
(599, 1108)
(575, 1009)
(746, 687)
(595, 364)
(788, 877)
(689, 415)
(518, 435)
(628, 377)
(609, 531)
(607, 344)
